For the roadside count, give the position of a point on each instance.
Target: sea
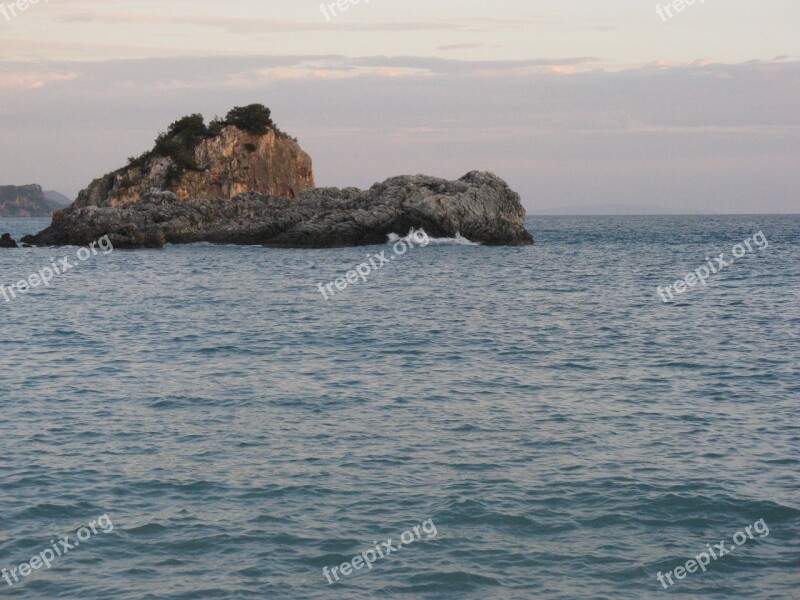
(201, 422)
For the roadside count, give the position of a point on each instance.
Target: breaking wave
(459, 240)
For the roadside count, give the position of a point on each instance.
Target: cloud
(561, 130)
(260, 25)
(239, 71)
(460, 47)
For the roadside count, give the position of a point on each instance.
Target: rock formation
(6, 241)
(480, 206)
(242, 181)
(25, 201)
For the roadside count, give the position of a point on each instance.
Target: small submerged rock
(6, 241)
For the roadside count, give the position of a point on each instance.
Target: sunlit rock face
(233, 163)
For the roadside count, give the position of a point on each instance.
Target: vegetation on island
(181, 139)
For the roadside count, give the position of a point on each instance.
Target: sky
(575, 103)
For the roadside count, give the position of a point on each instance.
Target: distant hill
(614, 210)
(27, 201)
(60, 200)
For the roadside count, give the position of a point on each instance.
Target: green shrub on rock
(181, 139)
(255, 118)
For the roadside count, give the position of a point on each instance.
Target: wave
(459, 240)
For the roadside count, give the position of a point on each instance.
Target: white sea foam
(459, 240)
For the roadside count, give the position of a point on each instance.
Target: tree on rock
(255, 118)
(191, 129)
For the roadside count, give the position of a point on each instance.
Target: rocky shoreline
(480, 206)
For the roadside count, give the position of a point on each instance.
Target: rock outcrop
(25, 201)
(6, 241)
(480, 206)
(226, 165)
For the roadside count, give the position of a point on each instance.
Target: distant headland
(29, 201)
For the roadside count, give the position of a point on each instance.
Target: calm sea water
(569, 434)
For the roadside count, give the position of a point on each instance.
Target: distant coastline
(30, 201)
(612, 210)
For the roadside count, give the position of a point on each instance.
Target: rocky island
(242, 181)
